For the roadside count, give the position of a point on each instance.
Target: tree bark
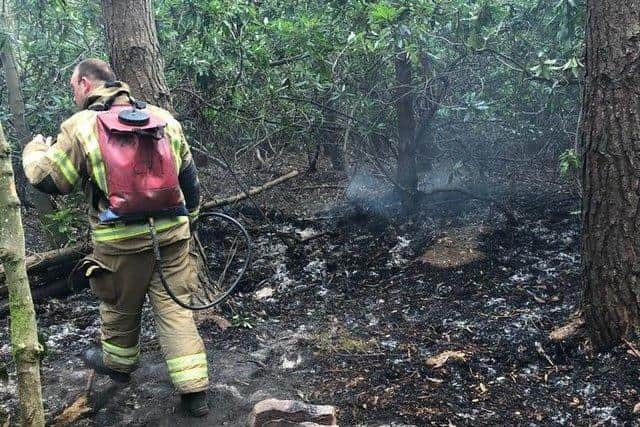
(134, 49)
(406, 173)
(41, 201)
(435, 89)
(610, 135)
(330, 136)
(24, 337)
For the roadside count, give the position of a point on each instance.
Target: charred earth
(439, 317)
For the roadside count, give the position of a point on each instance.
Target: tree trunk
(41, 201)
(134, 49)
(610, 135)
(435, 89)
(406, 174)
(330, 136)
(24, 337)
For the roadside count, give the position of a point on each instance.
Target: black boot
(93, 359)
(196, 403)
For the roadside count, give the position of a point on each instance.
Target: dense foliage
(491, 79)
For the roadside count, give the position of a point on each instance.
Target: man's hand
(42, 140)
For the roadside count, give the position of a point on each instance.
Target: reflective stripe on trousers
(188, 368)
(125, 358)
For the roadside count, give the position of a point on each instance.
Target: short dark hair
(95, 69)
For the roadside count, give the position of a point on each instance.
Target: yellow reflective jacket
(74, 159)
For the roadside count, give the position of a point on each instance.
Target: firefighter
(121, 269)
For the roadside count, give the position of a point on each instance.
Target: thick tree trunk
(610, 135)
(41, 201)
(134, 50)
(406, 174)
(24, 337)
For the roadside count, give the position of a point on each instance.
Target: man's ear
(86, 84)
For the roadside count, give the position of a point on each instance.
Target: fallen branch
(217, 203)
(44, 260)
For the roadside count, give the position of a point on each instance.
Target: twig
(632, 348)
(89, 385)
(544, 353)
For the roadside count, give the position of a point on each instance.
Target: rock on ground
(275, 412)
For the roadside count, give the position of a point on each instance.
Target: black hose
(224, 295)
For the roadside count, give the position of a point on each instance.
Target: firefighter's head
(88, 75)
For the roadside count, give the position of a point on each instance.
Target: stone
(258, 396)
(286, 413)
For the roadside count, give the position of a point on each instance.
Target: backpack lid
(112, 122)
(133, 117)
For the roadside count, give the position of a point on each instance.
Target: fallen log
(43, 261)
(62, 260)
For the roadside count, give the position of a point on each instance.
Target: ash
(351, 317)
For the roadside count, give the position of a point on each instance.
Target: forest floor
(360, 317)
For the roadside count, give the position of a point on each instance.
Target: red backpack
(141, 175)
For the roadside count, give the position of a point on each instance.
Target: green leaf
(384, 13)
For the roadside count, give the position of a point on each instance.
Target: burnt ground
(352, 316)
